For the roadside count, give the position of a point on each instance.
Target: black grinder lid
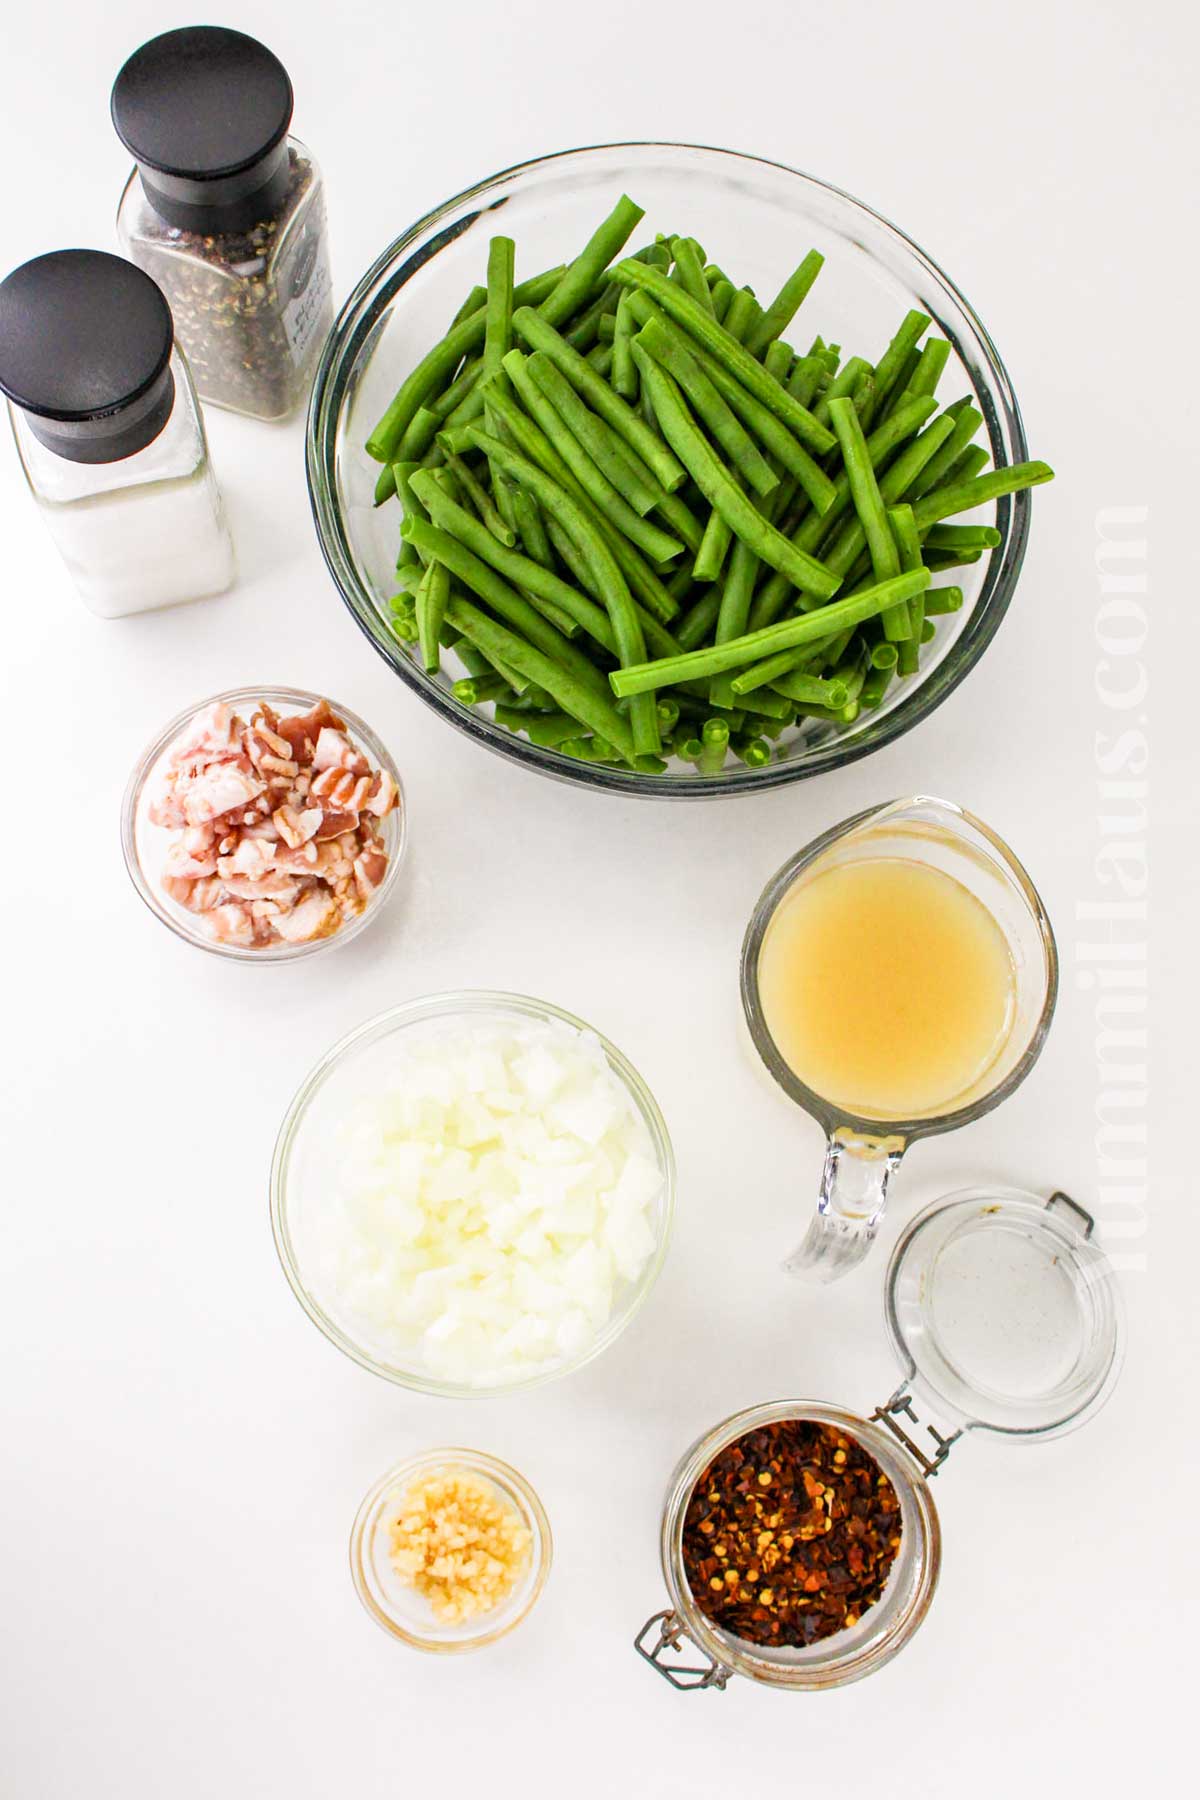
(205, 112)
(85, 352)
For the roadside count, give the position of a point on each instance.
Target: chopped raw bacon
(277, 824)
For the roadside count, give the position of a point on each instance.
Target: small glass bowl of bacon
(264, 824)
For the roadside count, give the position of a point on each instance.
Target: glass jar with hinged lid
(1005, 1317)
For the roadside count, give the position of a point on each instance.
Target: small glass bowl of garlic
(450, 1550)
(472, 1194)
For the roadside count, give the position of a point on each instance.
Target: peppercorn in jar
(227, 212)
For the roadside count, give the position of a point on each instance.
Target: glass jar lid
(1005, 1313)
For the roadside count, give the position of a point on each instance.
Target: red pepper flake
(790, 1534)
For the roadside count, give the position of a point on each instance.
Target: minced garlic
(459, 1542)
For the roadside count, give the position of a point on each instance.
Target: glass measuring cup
(863, 1151)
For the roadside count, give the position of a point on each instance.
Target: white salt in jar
(109, 433)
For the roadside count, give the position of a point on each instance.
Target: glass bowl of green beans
(627, 494)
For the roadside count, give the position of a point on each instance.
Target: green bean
(963, 496)
(532, 533)
(930, 363)
(907, 541)
(597, 443)
(576, 282)
(887, 370)
(786, 304)
(962, 537)
(594, 750)
(814, 690)
(760, 706)
(720, 489)
(966, 423)
(476, 690)
(843, 384)
(940, 600)
(459, 389)
(545, 589)
(894, 485)
(432, 597)
(624, 375)
(864, 489)
(385, 484)
(483, 580)
(696, 624)
(474, 300)
(668, 715)
(875, 686)
(967, 466)
(404, 626)
(742, 315)
(606, 332)
(772, 597)
(481, 500)
(716, 338)
(545, 729)
(928, 631)
(497, 338)
(671, 351)
(574, 697)
(527, 433)
(593, 478)
(585, 332)
(714, 740)
(402, 473)
(439, 364)
(787, 635)
(774, 436)
(885, 655)
(722, 295)
(746, 684)
(778, 358)
(755, 752)
(805, 379)
(601, 397)
(618, 602)
(710, 558)
(420, 432)
(845, 715)
(689, 265)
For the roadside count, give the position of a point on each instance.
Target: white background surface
(182, 1452)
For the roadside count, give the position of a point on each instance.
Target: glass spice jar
(227, 212)
(109, 433)
(1005, 1317)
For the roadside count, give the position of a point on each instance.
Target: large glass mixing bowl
(757, 219)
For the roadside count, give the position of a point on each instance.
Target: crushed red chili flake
(790, 1534)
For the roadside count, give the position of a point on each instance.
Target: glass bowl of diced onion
(758, 216)
(472, 1194)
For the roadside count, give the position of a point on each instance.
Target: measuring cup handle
(854, 1191)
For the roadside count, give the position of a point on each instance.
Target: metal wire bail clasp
(671, 1636)
(890, 1414)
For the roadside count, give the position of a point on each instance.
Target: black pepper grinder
(227, 212)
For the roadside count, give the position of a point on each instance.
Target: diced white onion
(492, 1200)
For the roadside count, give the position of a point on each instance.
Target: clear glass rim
(831, 1117)
(512, 1483)
(930, 1368)
(353, 329)
(144, 767)
(461, 1002)
(918, 1514)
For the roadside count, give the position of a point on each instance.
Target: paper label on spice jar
(311, 289)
